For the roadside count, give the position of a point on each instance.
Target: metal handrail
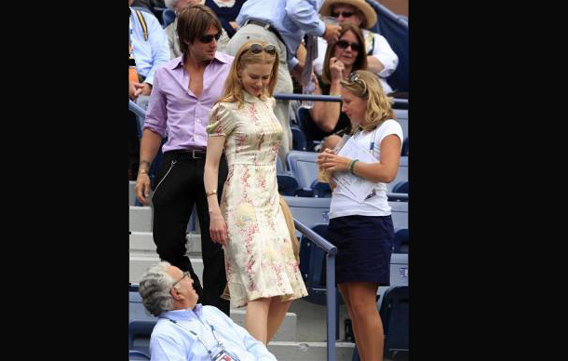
(136, 109)
(398, 103)
(330, 251)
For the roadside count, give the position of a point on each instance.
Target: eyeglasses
(257, 48)
(355, 79)
(206, 39)
(343, 44)
(185, 274)
(345, 14)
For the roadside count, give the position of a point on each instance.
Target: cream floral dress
(259, 259)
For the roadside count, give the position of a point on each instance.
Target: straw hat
(362, 5)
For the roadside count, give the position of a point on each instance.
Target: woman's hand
(331, 162)
(337, 68)
(218, 229)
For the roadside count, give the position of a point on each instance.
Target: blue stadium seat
(298, 138)
(404, 151)
(394, 315)
(140, 330)
(393, 310)
(287, 184)
(303, 166)
(313, 269)
(137, 355)
(306, 124)
(320, 189)
(399, 214)
(140, 322)
(400, 243)
(168, 17)
(309, 211)
(401, 174)
(400, 187)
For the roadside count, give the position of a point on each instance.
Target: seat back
(401, 174)
(298, 138)
(309, 211)
(287, 184)
(168, 17)
(394, 315)
(140, 323)
(400, 243)
(399, 214)
(402, 118)
(139, 333)
(138, 355)
(313, 266)
(404, 151)
(400, 187)
(303, 166)
(320, 189)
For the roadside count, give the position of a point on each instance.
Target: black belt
(268, 27)
(190, 153)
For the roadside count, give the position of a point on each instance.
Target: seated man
(187, 330)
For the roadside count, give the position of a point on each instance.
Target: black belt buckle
(197, 154)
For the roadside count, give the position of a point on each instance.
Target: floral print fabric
(259, 257)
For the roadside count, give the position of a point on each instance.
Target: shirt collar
(184, 315)
(220, 57)
(251, 98)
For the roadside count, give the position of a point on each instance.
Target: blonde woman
(262, 272)
(363, 232)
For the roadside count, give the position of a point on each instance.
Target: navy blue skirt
(364, 247)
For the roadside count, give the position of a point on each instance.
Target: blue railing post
(331, 309)
(331, 305)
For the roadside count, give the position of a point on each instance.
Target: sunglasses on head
(346, 14)
(343, 44)
(206, 39)
(257, 48)
(355, 79)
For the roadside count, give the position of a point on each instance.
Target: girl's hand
(332, 162)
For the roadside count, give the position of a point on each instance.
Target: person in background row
(284, 24)
(227, 11)
(185, 90)
(341, 58)
(262, 270)
(381, 59)
(149, 49)
(363, 232)
(171, 29)
(187, 330)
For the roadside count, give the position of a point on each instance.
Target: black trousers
(179, 186)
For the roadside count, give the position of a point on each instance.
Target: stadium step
(309, 351)
(140, 219)
(144, 242)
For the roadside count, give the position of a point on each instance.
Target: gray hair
(155, 286)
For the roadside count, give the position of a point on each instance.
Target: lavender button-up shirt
(174, 111)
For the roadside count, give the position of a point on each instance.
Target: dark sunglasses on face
(343, 44)
(206, 39)
(257, 48)
(345, 14)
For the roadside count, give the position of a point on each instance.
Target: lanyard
(219, 343)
